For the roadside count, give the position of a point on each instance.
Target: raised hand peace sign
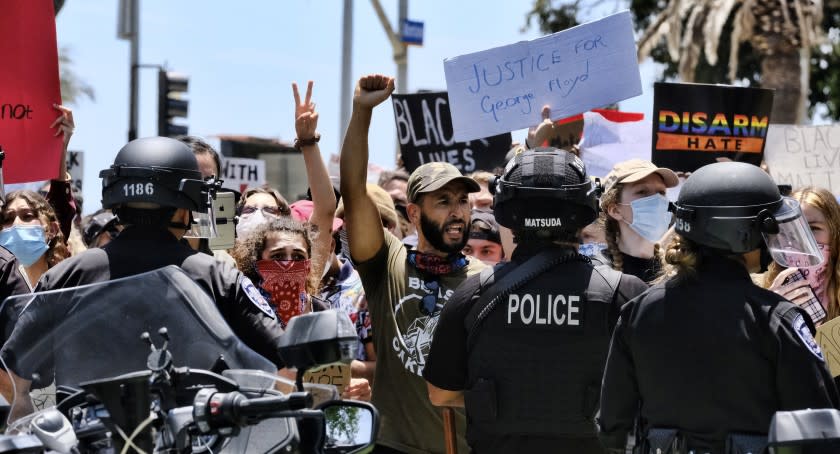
(306, 119)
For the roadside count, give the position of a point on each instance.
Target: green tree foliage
(72, 87)
(824, 96)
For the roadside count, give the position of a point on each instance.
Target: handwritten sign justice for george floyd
(503, 89)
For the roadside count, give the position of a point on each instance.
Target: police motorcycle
(147, 364)
(811, 431)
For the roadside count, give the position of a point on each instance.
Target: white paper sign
(240, 174)
(503, 89)
(606, 143)
(804, 155)
(76, 168)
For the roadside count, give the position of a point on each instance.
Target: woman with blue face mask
(31, 232)
(634, 209)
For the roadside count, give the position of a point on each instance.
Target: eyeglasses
(429, 302)
(273, 211)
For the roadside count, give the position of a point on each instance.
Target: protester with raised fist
(405, 289)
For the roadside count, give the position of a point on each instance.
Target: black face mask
(434, 234)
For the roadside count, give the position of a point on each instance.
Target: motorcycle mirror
(317, 338)
(805, 431)
(351, 426)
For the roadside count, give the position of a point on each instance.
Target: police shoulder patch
(804, 333)
(254, 295)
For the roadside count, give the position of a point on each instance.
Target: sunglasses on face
(429, 303)
(274, 211)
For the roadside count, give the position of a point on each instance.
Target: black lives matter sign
(424, 129)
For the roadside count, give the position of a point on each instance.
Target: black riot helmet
(155, 170)
(732, 207)
(544, 189)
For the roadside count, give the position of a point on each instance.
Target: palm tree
(72, 87)
(781, 32)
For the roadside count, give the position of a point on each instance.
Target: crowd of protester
(356, 248)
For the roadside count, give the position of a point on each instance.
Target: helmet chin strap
(181, 225)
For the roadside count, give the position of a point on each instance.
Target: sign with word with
(804, 156)
(695, 124)
(29, 87)
(504, 89)
(240, 174)
(424, 129)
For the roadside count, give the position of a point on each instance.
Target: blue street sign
(411, 32)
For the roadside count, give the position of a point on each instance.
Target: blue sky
(243, 56)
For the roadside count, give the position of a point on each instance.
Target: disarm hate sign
(424, 129)
(694, 124)
(29, 87)
(503, 89)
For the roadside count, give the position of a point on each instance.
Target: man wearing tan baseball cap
(405, 290)
(634, 209)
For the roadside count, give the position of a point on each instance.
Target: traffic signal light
(171, 103)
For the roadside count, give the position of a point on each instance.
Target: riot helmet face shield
(545, 189)
(791, 242)
(780, 225)
(202, 220)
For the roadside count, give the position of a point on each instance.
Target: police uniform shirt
(710, 356)
(12, 283)
(138, 250)
(558, 311)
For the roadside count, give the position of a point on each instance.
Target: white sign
(804, 155)
(503, 89)
(606, 143)
(76, 168)
(240, 174)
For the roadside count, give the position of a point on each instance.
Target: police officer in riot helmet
(522, 346)
(703, 360)
(156, 190)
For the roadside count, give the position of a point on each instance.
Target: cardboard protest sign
(828, 337)
(504, 89)
(804, 156)
(240, 174)
(29, 87)
(694, 124)
(337, 375)
(424, 129)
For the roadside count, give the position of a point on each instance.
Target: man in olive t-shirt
(405, 289)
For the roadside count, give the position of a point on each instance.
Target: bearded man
(405, 289)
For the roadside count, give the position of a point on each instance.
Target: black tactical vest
(536, 364)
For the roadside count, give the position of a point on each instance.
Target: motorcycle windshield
(78, 334)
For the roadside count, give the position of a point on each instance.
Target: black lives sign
(424, 129)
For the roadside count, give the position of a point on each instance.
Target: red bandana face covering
(285, 281)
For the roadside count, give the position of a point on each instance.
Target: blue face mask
(27, 242)
(651, 217)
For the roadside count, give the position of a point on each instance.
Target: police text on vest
(544, 309)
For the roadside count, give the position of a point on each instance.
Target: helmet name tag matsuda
(543, 222)
(137, 189)
(543, 310)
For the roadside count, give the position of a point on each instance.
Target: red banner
(29, 86)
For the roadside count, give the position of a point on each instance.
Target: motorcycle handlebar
(214, 410)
